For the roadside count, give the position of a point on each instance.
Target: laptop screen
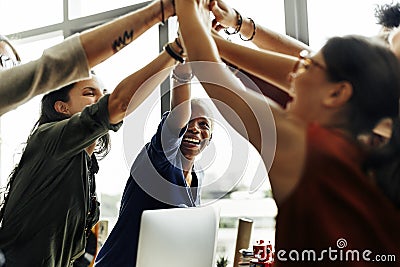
(178, 237)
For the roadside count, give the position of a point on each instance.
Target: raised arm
(180, 97)
(135, 88)
(105, 40)
(266, 65)
(266, 39)
(250, 30)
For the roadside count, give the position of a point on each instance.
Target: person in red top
(336, 205)
(336, 215)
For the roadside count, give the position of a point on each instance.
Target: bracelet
(238, 24)
(179, 45)
(182, 79)
(172, 53)
(254, 31)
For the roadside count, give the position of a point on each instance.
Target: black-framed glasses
(304, 62)
(6, 62)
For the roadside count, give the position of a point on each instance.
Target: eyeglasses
(304, 63)
(6, 62)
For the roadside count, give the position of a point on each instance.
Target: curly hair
(388, 15)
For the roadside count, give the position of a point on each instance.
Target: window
(330, 18)
(83, 8)
(22, 15)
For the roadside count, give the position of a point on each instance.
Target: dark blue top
(156, 182)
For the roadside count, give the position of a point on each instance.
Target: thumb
(214, 23)
(216, 26)
(219, 27)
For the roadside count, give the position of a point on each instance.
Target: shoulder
(47, 129)
(289, 159)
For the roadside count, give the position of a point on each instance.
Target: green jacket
(45, 217)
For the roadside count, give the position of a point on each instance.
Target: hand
(201, 7)
(178, 45)
(175, 50)
(225, 16)
(168, 8)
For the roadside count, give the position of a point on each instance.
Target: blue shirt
(156, 182)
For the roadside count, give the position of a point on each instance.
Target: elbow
(117, 108)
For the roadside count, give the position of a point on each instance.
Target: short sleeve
(68, 137)
(98, 113)
(165, 140)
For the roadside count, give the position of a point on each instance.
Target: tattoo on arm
(122, 41)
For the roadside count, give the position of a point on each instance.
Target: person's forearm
(250, 30)
(180, 97)
(180, 94)
(105, 40)
(180, 105)
(268, 39)
(194, 33)
(134, 89)
(266, 65)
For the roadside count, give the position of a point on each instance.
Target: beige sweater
(58, 66)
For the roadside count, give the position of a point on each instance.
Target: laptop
(178, 237)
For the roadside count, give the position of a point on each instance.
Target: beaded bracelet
(238, 24)
(254, 31)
